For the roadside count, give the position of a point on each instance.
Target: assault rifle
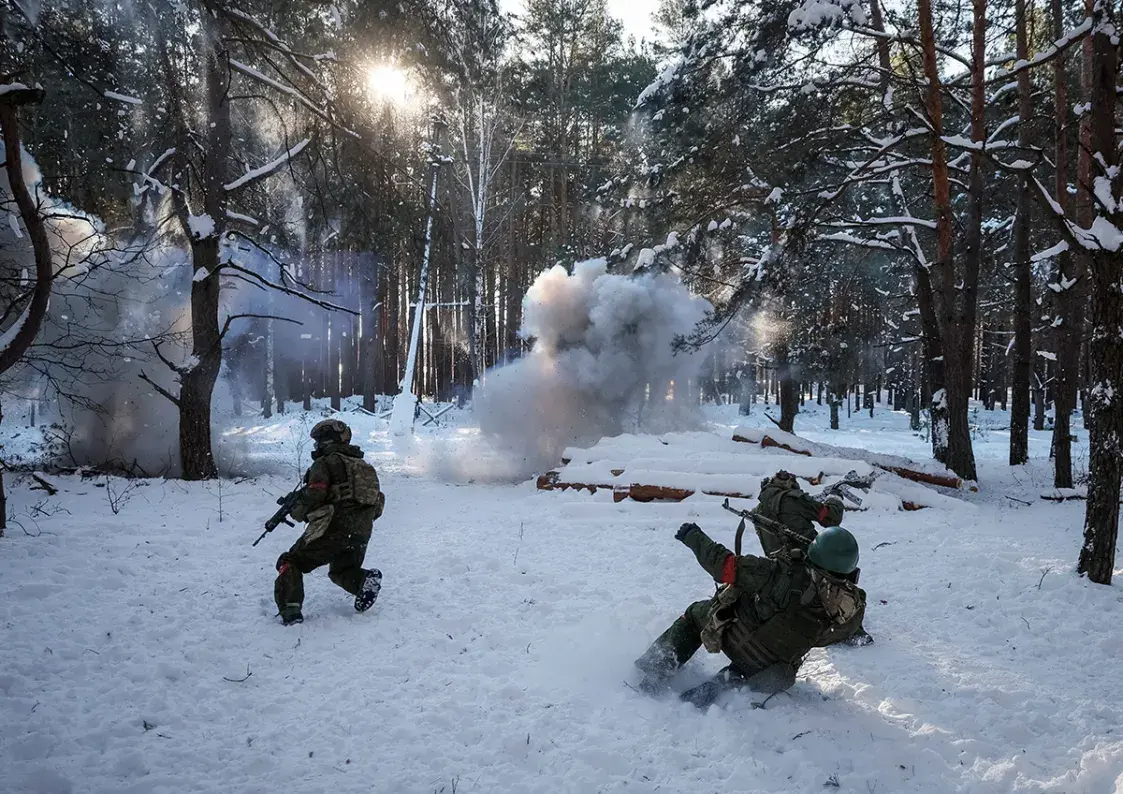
(843, 487)
(287, 503)
(772, 527)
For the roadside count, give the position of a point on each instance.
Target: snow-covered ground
(499, 655)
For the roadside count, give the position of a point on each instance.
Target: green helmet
(834, 550)
(331, 430)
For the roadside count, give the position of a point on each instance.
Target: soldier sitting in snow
(768, 613)
(340, 501)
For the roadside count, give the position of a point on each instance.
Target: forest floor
(141, 653)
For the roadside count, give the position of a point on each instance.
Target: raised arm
(747, 572)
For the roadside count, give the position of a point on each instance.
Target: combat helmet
(834, 550)
(331, 430)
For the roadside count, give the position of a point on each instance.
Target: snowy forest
(529, 252)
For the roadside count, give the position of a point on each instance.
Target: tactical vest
(358, 484)
(789, 616)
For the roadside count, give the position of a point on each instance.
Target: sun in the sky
(389, 84)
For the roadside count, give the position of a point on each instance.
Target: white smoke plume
(602, 364)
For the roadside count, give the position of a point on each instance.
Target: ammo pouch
(318, 522)
(723, 611)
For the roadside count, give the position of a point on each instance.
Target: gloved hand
(685, 530)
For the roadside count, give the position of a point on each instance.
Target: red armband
(729, 570)
(317, 486)
(822, 514)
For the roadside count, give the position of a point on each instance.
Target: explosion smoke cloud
(602, 364)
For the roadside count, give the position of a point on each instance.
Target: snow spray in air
(601, 364)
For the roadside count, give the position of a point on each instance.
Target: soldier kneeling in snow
(766, 616)
(340, 501)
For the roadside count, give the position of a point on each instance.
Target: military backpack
(360, 485)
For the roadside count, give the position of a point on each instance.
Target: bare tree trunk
(1039, 400)
(368, 344)
(789, 398)
(28, 208)
(955, 301)
(32, 318)
(1101, 521)
(1022, 267)
(198, 379)
(270, 373)
(1070, 301)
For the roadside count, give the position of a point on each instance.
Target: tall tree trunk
(198, 378)
(1101, 521)
(32, 317)
(789, 398)
(368, 345)
(270, 373)
(1022, 267)
(1070, 267)
(1039, 399)
(955, 299)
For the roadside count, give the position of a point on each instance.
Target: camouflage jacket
(772, 608)
(781, 499)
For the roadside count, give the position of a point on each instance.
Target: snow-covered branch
(1058, 47)
(268, 169)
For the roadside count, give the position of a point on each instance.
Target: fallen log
(924, 477)
(550, 482)
(768, 441)
(638, 492)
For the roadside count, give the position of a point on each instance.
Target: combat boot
(291, 616)
(706, 694)
(859, 638)
(658, 665)
(372, 585)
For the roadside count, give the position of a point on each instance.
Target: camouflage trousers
(338, 548)
(675, 646)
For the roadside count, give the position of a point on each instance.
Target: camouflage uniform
(339, 528)
(767, 615)
(781, 499)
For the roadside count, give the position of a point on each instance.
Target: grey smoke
(602, 364)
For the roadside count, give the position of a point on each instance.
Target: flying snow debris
(602, 363)
(129, 100)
